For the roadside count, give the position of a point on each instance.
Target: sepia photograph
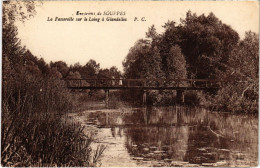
(130, 83)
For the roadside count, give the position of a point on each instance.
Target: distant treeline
(200, 47)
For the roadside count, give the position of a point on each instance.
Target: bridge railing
(124, 83)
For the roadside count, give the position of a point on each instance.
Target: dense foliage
(200, 47)
(35, 130)
(241, 93)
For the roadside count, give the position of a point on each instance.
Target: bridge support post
(107, 98)
(144, 98)
(180, 97)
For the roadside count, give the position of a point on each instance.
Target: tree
(205, 42)
(14, 11)
(90, 70)
(18, 10)
(115, 72)
(153, 64)
(176, 64)
(75, 67)
(241, 92)
(54, 73)
(153, 36)
(33, 100)
(43, 66)
(134, 63)
(7, 70)
(199, 47)
(73, 75)
(61, 67)
(11, 46)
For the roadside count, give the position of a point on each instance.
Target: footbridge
(180, 85)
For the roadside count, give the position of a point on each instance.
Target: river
(173, 136)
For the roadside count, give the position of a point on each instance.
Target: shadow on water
(180, 136)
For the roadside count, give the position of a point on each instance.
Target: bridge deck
(144, 84)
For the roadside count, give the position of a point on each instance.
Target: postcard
(130, 83)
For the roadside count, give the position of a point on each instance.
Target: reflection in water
(178, 136)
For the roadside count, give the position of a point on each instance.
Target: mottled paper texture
(130, 84)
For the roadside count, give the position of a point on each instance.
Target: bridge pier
(107, 98)
(144, 98)
(180, 97)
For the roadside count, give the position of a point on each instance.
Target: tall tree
(205, 41)
(242, 90)
(153, 64)
(61, 66)
(14, 11)
(134, 63)
(176, 64)
(90, 70)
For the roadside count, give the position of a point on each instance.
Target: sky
(108, 42)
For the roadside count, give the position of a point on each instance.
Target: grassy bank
(35, 129)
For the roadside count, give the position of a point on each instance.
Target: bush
(195, 98)
(231, 98)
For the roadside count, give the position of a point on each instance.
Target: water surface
(174, 136)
